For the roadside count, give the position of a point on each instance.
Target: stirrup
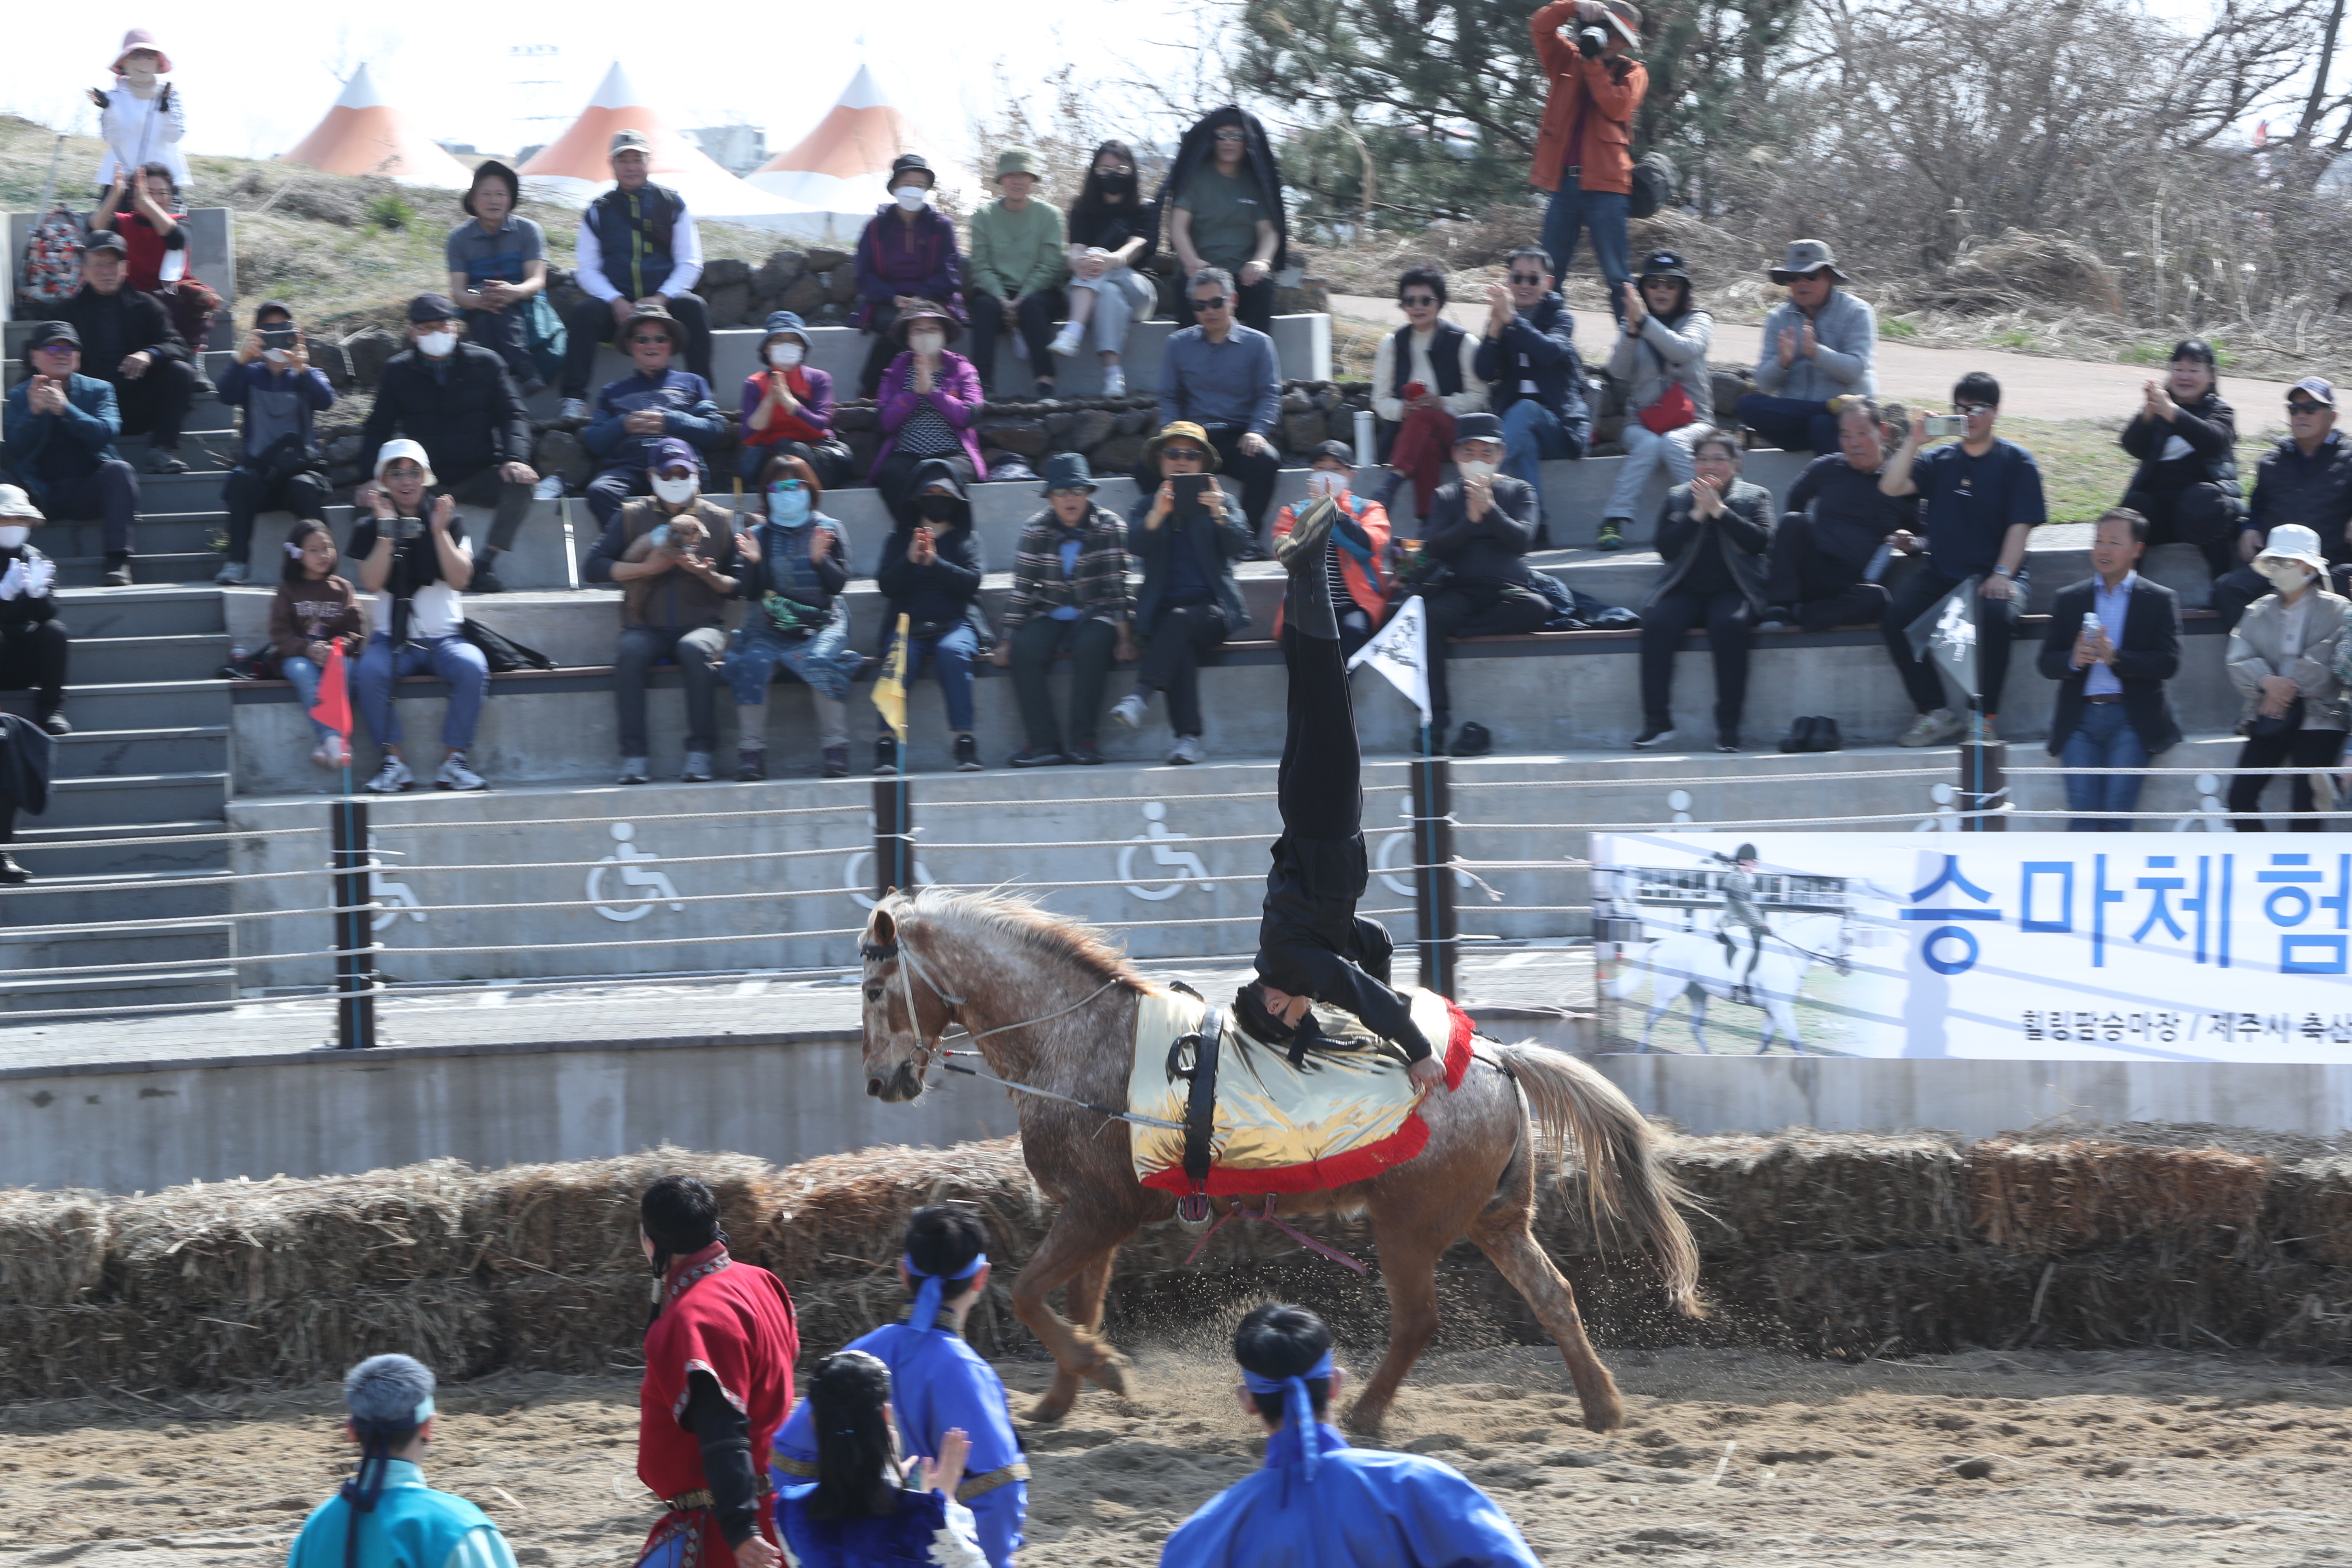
(1194, 1209)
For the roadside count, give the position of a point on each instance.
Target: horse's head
(904, 1013)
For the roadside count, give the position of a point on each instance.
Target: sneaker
(1473, 740)
(835, 765)
(1128, 710)
(1654, 736)
(751, 764)
(162, 460)
(1611, 534)
(11, 873)
(391, 778)
(55, 723)
(1065, 342)
(886, 754)
(967, 756)
(1085, 756)
(231, 573)
(485, 579)
(696, 769)
(204, 388)
(1727, 740)
(118, 572)
(1777, 619)
(1185, 752)
(323, 754)
(573, 411)
(533, 386)
(1933, 728)
(1039, 757)
(454, 774)
(633, 771)
(1114, 381)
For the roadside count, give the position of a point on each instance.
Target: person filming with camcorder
(413, 559)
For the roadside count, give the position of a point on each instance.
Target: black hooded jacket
(1200, 142)
(1311, 943)
(937, 597)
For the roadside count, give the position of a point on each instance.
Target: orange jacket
(1614, 89)
(1367, 588)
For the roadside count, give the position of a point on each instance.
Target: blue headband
(926, 1298)
(1297, 1406)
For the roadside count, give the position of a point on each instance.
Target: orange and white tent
(839, 168)
(363, 134)
(577, 166)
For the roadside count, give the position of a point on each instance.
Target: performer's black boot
(1307, 604)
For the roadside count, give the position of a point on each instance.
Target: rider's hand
(1428, 1073)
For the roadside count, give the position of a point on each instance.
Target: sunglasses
(1973, 409)
(1214, 303)
(1527, 279)
(1067, 491)
(2292, 407)
(1230, 133)
(1420, 300)
(1185, 454)
(650, 338)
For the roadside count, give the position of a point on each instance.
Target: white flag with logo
(1400, 652)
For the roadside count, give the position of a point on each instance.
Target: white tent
(363, 134)
(837, 169)
(577, 164)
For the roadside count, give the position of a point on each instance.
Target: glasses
(1214, 302)
(1972, 409)
(1420, 300)
(1066, 493)
(650, 338)
(1183, 454)
(1527, 279)
(1229, 133)
(2292, 405)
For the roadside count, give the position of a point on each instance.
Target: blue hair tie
(1297, 1406)
(926, 1315)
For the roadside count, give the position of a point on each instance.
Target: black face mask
(938, 509)
(1115, 184)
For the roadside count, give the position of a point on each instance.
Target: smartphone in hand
(1190, 487)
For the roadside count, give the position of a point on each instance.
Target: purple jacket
(918, 258)
(956, 395)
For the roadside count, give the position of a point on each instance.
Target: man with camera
(1584, 151)
(412, 559)
(456, 400)
(277, 459)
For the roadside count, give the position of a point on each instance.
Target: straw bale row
(52, 1246)
(2045, 1199)
(2311, 1210)
(582, 1216)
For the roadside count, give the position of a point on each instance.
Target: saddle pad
(1339, 1117)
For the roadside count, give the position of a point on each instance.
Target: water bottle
(1368, 447)
(2092, 627)
(238, 653)
(1878, 560)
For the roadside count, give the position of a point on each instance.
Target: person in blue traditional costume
(866, 1507)
(939, 1383)
(385, 1516)
(1318, 1503)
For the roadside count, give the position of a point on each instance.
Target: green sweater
(1015, 253)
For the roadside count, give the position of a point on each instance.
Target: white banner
(1401, 652)
(2138, 946)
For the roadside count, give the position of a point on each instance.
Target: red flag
(333, 708)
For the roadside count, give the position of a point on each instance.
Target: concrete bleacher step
(120, 660)
(142, 610)
(160, 569)
(127, 754)
(107, 799)
(192, 955)
(114, 896)
(117, 849)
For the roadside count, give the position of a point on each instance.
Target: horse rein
(910, 969)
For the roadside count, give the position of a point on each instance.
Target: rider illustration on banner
(1738, 888)
(631, 860)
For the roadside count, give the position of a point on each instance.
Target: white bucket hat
(392, 452)
(2293, 541)
(15, 502)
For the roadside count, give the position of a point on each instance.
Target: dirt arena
(2131, 1459)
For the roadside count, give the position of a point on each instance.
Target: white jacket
(137, 131)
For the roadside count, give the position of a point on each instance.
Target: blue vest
(1444, 359)
(635, 233)
(413, 1526)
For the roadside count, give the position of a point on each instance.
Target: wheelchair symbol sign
(630, 861)
(1157, 838)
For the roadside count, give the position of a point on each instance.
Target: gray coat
(1661, 356)
(1847, 332)
(2257, 650)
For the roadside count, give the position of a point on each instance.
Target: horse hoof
(1051, 1408)
(1109, 1374)
(1607, 1415)
(1365, 1423)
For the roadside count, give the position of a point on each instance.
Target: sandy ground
(2129, 1458)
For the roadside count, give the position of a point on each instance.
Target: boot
(750, 764)
(1308, 602)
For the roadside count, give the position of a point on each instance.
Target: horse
(1694, 964)
(1050, 1003)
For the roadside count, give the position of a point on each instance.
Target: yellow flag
(890, 691)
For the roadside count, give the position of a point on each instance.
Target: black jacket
(1547, 336)
(1200, 142)
(1311, 943)
(1216, 547)
(24, 763)
(1742, 531)
(2147, 655)
(1492, 549)
(466, 414)
(139, 323)
(2315, 491)
(2210, 426)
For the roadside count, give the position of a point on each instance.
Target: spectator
(497, 264)
(787, 409)
(313, 612)
(1712, 537)
(413, 558)
(2305, 479)
(930, 573)
(456, 400)
(1661, 356)
(1535, 379)
(792, 567)
(1584, 149)
(1832, 542)
(1480, 527)
(866, 1505)
(386, 1517)
(637, 251)
(1186, 542)
(1358, 556)
(1014, 280)
(1817, 352)
(638, 413)
(2185, 440)
(57, 440)
(1978, 498)
(2286, 660)
(140, 116)
(906, 257)
(672, 556)
(278, 464)
(1069, 596)
(1112, 231)
(146, 213)
(1423, 374)
(129, 342)
(1224, 378)
(2114, 640)
(930, 398)
(1319, 1500)
(33, 642)
(1224, 201)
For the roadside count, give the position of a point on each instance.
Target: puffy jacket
(84, 433)
(1612, 87)
(467, 416)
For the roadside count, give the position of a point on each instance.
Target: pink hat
(141, 39)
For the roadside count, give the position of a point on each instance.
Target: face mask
(788, 504)
(910, 198)
(784, 356)
(938, 509)
(138, 76)
(674, 492)
(1322, 484)
(1116, 185)
(438, 345)
(2287, 577)
(926, 343)
(1474, 470)
(11, 535)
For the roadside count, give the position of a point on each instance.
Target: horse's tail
(1624, 1168)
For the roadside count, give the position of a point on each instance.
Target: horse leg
(1084, 1260)
(1505, 1239)
(1083, 1305)
(1409, 1267)
(1698, 995)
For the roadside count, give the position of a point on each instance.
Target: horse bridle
(910, 969)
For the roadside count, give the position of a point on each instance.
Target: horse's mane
(1019, 919)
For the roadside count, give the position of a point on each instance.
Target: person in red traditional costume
(719, 1383)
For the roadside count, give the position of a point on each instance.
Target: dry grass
(52, 1246)
(580, 1217)
(2039, 1200)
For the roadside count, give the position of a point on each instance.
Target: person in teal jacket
(385, 1516)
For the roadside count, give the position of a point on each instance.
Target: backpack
(1653, 186)
(544, 332)
(53, 258)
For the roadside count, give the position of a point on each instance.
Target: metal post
(1984, 784)
(894, 835)
(355, 912)
(1435, 933)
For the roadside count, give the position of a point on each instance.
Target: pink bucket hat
(141, 39)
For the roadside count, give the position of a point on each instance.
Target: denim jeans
(452, 659)
(1532, 435)
(1791, 424)
(691, 648)
(1600, 214)
(1646, 451)
(306, 677)
(951, 655)
(2103, 738)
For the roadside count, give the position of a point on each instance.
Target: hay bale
(581, 1218)
(1818, 1190)
(2311, 1211)
(445, 1324)
(844, 1216)
(2044, 1199)
(57, 1351)
(572, 1322)
(2017, 270)
(251, 1243)
(52, 1244)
